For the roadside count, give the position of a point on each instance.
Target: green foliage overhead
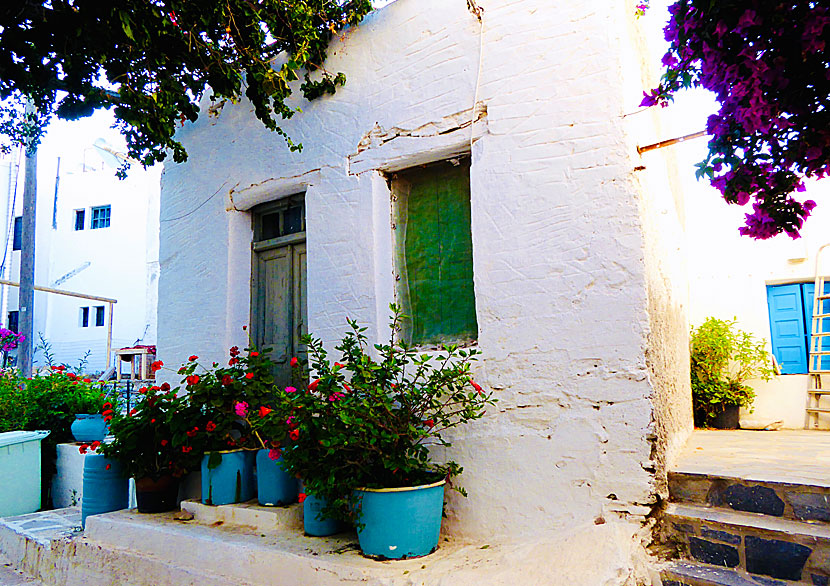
(723, 358)
(152, 60)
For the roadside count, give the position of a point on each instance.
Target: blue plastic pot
(275, 486)
(230, 482)
(89, 428)
(397, 523)
(314, 523)
(105, 489)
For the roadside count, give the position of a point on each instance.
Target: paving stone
(35, 524)
(720, 536)
(718, 554)
(691, 573)
(820, 580)
(768, 581)
(772, 557)
(754, 499)
(810, 506)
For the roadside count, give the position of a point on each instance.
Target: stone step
(756, 543)
(805, 501)
(250, 514)
(695, 574)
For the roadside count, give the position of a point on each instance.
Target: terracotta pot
(156, 496)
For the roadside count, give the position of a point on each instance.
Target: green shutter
(435, 253)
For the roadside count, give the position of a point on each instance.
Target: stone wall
(564, 293)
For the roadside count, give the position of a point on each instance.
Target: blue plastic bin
(20, 466)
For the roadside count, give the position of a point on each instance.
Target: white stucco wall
(563, 291)
(729, 275)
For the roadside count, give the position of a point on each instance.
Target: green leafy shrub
(723, 358)
(369, 422)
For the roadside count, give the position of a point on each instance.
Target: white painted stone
(68, 481)
(578, 263)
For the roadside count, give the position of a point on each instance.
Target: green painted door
(279, 305)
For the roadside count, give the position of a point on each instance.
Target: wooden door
(279, 305)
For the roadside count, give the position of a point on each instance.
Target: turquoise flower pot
(314, 523)
(275, 486)
(105, 489)
(89, 427)
(232, 481)
(398, 523)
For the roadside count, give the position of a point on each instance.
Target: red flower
(274, 453)
(83, 448)
(210, 426)
(95, 445)
(429, 423)
(107, 405)
(186, 449)
(347, 387)
(192, 432)
(254, 354)
(244, 327)
(294, 434)
(263, 411)
(109, 466)
(165, 387)
(338, 365)
(155, 366)
(164, 443)
(294, 362)
(142, 390)
(193, 379)
(249, 375)
(133, 412)
(301, 497)
(107, 417)
(152, 421)
(193, 358)
(233, 361)
(181, 370)
(227, 379)
(313, 384)
(87, 380)
(476, 386)
(107, 412)
(234, 351)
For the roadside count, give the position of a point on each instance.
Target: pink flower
(241, 409)
(291, 421)
(336, 396)
(290, 390)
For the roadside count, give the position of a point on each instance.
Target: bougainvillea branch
(767, 64)
(152, 61)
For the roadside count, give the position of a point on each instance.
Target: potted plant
(364, 428)
(219, 399)
(144, 445)
(723, 359)
(271, 425)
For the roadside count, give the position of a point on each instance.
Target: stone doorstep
(759, 544)
(250, 514)
(802, 502)
(693, 574)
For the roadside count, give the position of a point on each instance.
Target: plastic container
(106, 488)
(89, 427)
(20, 466)
(275, 486)
(314, 523)
(397, 523)
(232, 481)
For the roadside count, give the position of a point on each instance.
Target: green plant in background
(369, 420)
(723, 359)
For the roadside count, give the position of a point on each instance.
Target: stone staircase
(737, 532)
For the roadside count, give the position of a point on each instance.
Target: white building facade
(576, 276)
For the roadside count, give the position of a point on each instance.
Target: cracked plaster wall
(563, 294)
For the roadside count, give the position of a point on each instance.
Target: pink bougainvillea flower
(193, 358)
(275, 453)
(241, 409)
(249, 375)
(291, 421)
(294, 362)
(290, 390)
(336, 396)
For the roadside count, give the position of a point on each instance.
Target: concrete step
(806, 501)
(250, 514)
(759, 544)
(695, 574)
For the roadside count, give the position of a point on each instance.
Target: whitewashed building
(567, 268)
(95, 235)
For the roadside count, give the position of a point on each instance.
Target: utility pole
(26, 301)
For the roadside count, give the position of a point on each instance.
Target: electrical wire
(194, 210)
